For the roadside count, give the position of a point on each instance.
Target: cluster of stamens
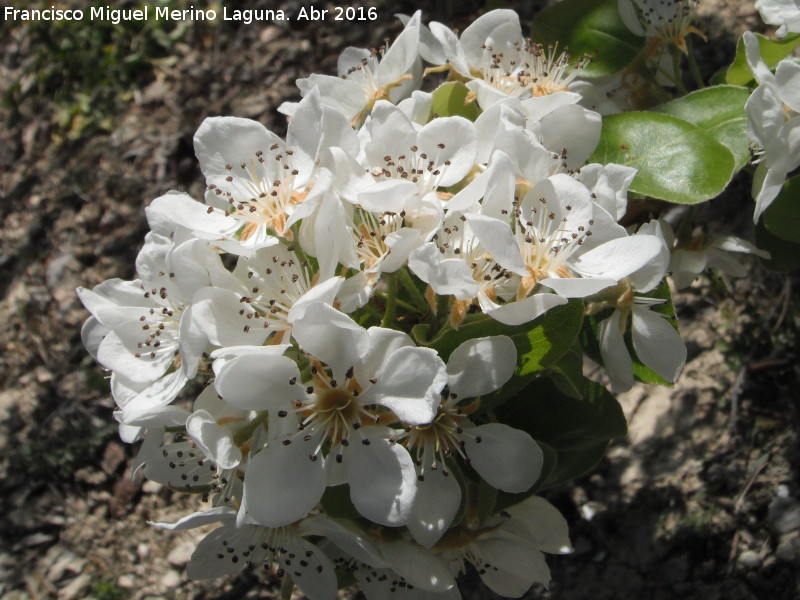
(269, 198)
(276, 286)
(332, 412)
(530, 69)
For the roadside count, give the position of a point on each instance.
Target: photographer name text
(160, 13)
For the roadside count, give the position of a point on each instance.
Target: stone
(181, 554)
(76, 588)
(749, 559)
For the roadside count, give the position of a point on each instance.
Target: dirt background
(700, 501)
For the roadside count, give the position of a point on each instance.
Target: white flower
(656, 342)
(389, 73)
(665, 22)
(359, 378)
(506, 458)
(550, 226)
(267, 293)
(772, 112)
(257, 178)
(139, 328)
(234, 546)
(691, 257)
(507, 551)
(499, 62)
(784, 13)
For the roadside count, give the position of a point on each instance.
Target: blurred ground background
(700, 501)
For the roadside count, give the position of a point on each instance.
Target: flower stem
(391, 301)
(411, 287)
(693, 66)
(676, 69)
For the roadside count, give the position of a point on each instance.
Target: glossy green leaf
(772, 52)
(782, 218)
(591, 27)
(540, 344)
(718, 111)
(450, 100)
(676, 160)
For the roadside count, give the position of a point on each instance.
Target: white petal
(657, 344)
(282, 484)
(572, 127)
(614, 352)
(383, 481)
(324, 292)
(752, 51)
(401, 243)
(214, 440)
(222, 141)
(480, 366)
(787, 77)
(620, 257)
(205, 562)
(506, 458)
(475, 36)
(259, 382)
(332, 337)
(216, 313)
(497, 237)
(179, 209)
(577, 287)
(525, 310)
(435, 507)
(409, 385)
(156, 417)
(346, 536)
(546, 526)
(310, 570)
(518, 567)
(418, 566)
(459, 139)
(390, 195)
(198, 519)
(447, 277)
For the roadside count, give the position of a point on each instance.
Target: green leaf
(718, 111)
(567, 373)
(784, 255)
(337, 503)
(676, 160)
(574, 463)
(574, 432)
(540, 344)
(591, 27)
(782, 218)
(772, 52)
(564, 422)
(450, 100)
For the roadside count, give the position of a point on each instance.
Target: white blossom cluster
(773, 114)
(287, 303)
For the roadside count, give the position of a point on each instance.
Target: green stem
(246, 432)
(411, 287)
(676, 68)
(391, 301)
(693, 66)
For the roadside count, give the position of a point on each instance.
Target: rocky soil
(700, 501)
